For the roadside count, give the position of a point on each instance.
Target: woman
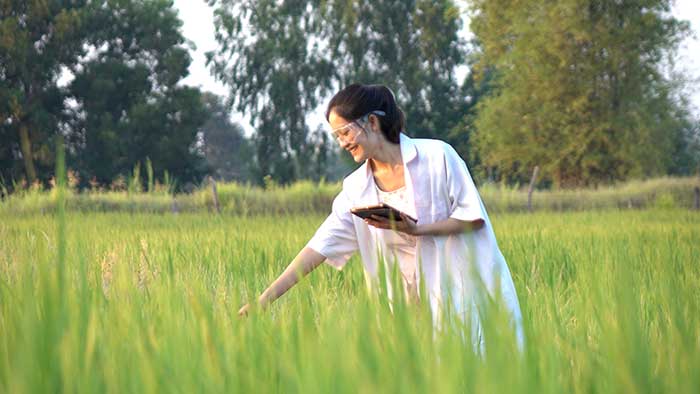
(451, 247)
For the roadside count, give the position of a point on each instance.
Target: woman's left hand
(405, 225)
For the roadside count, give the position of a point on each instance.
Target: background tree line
(578, 87)
(122, 106)
(282, 62)
(582, 90)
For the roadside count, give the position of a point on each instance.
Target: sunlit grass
(305, 197)
(610, 303)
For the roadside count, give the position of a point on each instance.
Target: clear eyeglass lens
(343, 132)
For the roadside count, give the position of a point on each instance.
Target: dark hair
(357, 100)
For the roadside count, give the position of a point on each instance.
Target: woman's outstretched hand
(405, 225)
(306, 261)
(243, 312)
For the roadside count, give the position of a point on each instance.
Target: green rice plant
(134, 183)
(305, 197)
(664, 200)
(148, 304)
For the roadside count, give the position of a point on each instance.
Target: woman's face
(357, 137)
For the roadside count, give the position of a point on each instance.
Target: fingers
(243, 312)
(409, 225)
(378, 221)
(386, 224)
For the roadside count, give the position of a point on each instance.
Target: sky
(198, 27)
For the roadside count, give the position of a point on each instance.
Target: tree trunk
(532, 187)
(26, 147)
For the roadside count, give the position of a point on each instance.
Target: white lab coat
(442, 187)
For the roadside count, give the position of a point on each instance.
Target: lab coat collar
(408, 149)
(362, 180)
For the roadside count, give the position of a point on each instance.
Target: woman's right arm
(336, 239)
(306, 261)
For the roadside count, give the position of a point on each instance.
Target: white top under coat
(442, 188)
(400, 246)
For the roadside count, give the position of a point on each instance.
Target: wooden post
(215, 195)
(532, 187)
(697, 192)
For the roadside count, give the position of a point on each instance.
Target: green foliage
(39, 38)
(306, 197)
(135, 185)
(280, 59)
(124, 103)
(461, 134)
(149, 304)
(228, 153)
(665, 200)
(169, 184)
(580, 89)
(131, 107)
(411, 46)
(276, 70)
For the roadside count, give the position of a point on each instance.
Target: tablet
(382, 210)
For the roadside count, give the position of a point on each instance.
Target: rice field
(306, 197)
(119, 302)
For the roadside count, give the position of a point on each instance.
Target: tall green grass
(305, 197)
(610, 303)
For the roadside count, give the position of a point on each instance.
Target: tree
(130, 106)
(579, 88)
(276, 72)
(281, 58)
(124, 104)
(475, 87)
(228, 153)
(411, 46)
(39, 38)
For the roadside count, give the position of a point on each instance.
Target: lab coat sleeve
(336, 239)
(465, 203)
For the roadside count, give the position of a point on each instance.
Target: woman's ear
(374, 123)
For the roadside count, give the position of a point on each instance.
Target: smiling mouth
(353, 149)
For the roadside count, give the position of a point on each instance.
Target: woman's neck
(386, 157)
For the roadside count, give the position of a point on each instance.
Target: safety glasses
(344, 132)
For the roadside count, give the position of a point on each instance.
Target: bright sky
(199, 28)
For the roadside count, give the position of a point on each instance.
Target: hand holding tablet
(383, 210)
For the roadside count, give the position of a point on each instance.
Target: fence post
(697, 191)
(532, 187)
(215, 195)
